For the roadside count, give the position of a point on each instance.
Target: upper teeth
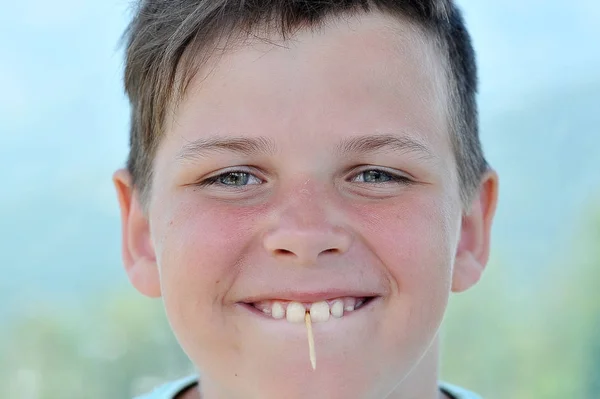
(277, 310)
(319, 311)
(295, 312)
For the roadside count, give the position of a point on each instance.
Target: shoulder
(457, 392)
(171, 389)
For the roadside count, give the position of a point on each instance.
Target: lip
(308, 296)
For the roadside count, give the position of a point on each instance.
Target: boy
(304, 190)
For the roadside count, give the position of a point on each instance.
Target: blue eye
(378, 176)
(239, 178)
(231, 179)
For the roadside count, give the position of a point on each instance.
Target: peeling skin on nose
(305, 192)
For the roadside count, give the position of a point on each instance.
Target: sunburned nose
(306, 223)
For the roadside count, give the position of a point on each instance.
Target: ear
(137, 249)
(474, 246)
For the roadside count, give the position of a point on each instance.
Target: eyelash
(214, 181)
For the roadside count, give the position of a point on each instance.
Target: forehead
(352, 76)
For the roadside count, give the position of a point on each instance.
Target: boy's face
(337, 179)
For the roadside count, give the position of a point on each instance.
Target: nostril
(283, 252)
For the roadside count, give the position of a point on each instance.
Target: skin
(309, 218)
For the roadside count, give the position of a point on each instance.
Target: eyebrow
(263, 145)
(242, 145)
(382, 142)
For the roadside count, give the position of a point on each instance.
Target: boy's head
(295, 150)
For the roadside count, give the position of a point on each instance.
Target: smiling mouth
(321, 311)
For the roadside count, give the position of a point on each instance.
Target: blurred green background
(71, 327)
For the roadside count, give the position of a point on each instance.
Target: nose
(303, 246)
(304, 231)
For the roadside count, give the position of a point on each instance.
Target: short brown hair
(163, 32)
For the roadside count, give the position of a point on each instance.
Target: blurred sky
(63, 129)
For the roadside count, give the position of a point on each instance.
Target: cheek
(198, 261)
(414, 241)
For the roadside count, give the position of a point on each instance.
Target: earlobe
(137, 249)
(474, 247)
(467, 272)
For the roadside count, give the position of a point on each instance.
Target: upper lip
(309, 295)
(309, 285)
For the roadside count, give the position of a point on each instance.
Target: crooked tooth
(277, 310)
(295, 312)
(337, 308)
(319, 311)
(349, 304)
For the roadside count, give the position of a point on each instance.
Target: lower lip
(368, 305)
